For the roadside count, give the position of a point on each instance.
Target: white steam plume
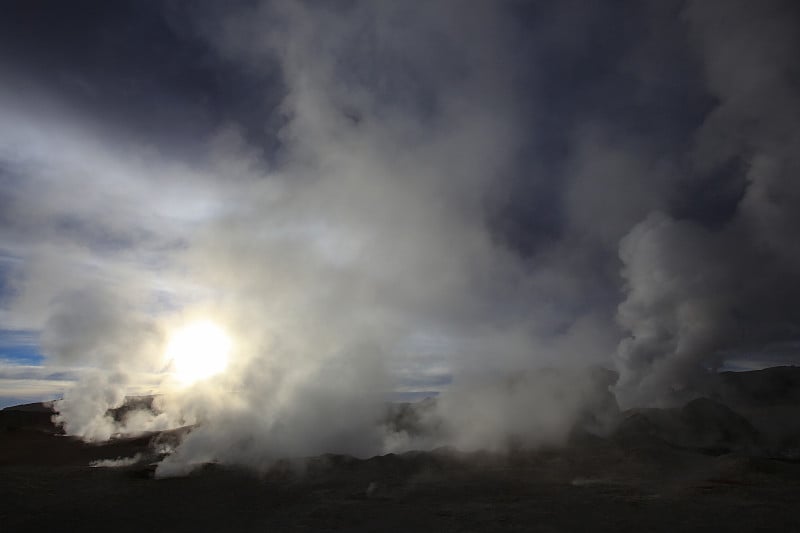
(373, 230)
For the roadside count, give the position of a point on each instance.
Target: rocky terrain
(726, 462)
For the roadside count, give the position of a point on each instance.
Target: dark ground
(637, 480)
(569, 491)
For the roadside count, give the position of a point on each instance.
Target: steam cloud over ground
(492, 201)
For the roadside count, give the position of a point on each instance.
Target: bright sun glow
(198, 351)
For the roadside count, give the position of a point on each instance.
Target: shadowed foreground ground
(702, 467)
(597, 487)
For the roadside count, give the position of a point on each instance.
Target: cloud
(694, 293)
(475, 200)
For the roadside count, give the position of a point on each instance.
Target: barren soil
(591, 485)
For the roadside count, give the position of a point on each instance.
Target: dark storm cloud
(696, 291)
(137, 69)
(444, 194)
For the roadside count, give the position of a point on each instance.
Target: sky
(394, 200)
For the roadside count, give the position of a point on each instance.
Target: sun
(198, 351)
